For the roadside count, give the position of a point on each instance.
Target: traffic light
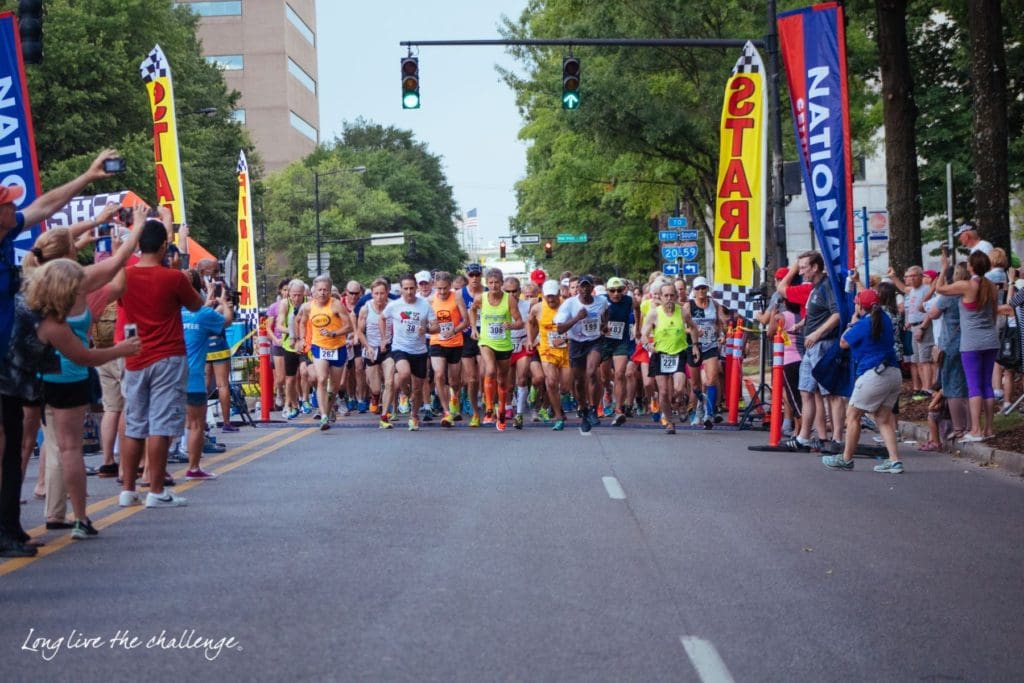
(410, 254)
(570, 83)
(410, 83)
(501, 248)
(30, 26)
(547, 249)
(360, 254)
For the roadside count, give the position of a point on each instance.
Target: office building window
(227, 8)
(300, 124)
(239, 116)
(301, 76)
(226, 62)
(299, 24)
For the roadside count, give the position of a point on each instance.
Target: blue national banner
(813, 49)
(18, 164)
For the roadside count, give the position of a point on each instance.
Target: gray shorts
(155, 399)
(923, 348)
(807, 363)
(872, 391)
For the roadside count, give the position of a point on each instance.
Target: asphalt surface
(471, 555)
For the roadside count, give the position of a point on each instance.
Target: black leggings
(10, 488)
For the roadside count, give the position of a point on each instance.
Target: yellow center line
(54, 545)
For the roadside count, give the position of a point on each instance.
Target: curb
(985, 456)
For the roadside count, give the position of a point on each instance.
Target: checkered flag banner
(749, 61)
(154, 66)
(243, 166)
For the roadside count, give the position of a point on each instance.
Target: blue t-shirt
(868, 353)
(198, 328)
(9, 282)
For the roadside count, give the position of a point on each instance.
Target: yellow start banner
(246, 284)
(156, 72)
(742, 174)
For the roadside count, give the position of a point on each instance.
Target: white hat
(550, 288)
(396, 289)
(600, 289)
(700, 281)
(565, 282)
(423, 276)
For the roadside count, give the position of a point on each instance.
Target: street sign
(670, 268)
(691, 269)
(384, 239)
(688, 236)
(689, 253)
(672, 253)
(569, 238)
(668, 236)
(677, 222)
(878, 237)
(529, 238)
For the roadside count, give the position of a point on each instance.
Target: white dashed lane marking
(614, 489)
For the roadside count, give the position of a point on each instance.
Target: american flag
(471, 220)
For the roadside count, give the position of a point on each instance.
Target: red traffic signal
(547, 249)
(501, 248)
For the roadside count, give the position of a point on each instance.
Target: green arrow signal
(570, 100)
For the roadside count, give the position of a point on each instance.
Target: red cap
(867, 298)
(538, 277)
(932, 273)
(781, 273)
(10, 193)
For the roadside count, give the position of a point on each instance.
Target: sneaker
(12, 548)
(971, 438)
(414, 424)
(836, 462)
(890, 467)
(446, 420)
(435, 404)
(228, 427)
(325, 423)
(211, 446)
(500, 424)
(128, 499)
(696, 418)
(585, 425)
(291, 414)
(453, 407)
(474, 421)
(655, 416)
(83, 529)
(385, 422)
(544, 414)
(620, 419)
(306, 408)
(165, 500)
(532, 396)
(670, 428)
(517, 422)
(599, 411)
(403, 404)
(489, 417)
(107, 471)
(508, 412)
(317, 416)
(426, 414)
(559, 426)
(199, 474)
(794, 444)
(834, 447)
(592, 417)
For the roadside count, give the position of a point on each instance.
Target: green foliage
(402, 190)
(87, 95)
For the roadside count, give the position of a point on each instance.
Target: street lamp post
(316, 206)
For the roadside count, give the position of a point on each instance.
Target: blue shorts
(338, 362)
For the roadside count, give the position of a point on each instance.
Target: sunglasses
(617, 290)
(473, 274)
(353, 293)
(511, 291)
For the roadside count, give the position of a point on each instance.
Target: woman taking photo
(979, 340)
(871, 340)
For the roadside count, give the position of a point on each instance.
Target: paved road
(469, 555)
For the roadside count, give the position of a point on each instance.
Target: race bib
(669, 364)
(370, 354)
(496, 329)
(616, 330)
(555, 340)
(517, 346)
(411, 327)
(447, 330)
(328, 354)
(708, 337)
(591, 327)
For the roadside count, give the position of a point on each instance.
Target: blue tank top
(72, 372)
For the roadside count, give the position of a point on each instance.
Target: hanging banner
(156, 73)
(246, 285)
(18, 162)
(813, 48)
(740, 207)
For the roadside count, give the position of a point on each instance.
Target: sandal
(929, 446)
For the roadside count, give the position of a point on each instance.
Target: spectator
(951, 370)
(218, 353)
(915, 294)
(967, 235)
(155, 380)
(1002, 378)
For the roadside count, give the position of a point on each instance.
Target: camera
(130, 330)
(124, 215)
(218, 290)
(115, 165)
(104, 229)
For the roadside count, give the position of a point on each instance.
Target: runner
(470, 347)
(710, 320)
(522, 352)
(669, 324)
(498, 313)
(330, 323)
(619, 342)
(410, 318)
(446, 345)
(583, 318)
(356, 375)
(380, 367)
(536, 397)
(552, 348)
(292, 356)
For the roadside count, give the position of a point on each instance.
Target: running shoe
(599, 411)
(620, 419)
(544, 414)
(403, 404)
(374, 407)
(325, 423)
(291, 414)
(592, 417)
(508, 412)
(435, 404)
(467, 405)
(313, 401)
(890, 467)
(489, 417)
(351, 404)
(453, 407)
(199, 474)
(500, 424)
(474, 421)
(446, 420)
(332, 416)
(559, 426)
(385, 422)
(697, 416)
(414, 424)
(585, 425)
(228, 427)
(836, 462)
(426, 414)
(532, 396)
(306, 408)
(83, 529)
(362, 406)
(663, 420)
(517, 422)
(670, 428)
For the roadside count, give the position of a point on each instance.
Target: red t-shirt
(152, 299)
(798, 294)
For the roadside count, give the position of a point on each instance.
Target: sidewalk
(983, 455)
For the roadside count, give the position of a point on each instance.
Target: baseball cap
(550, 288)
(423, 276)
(867, 298)
(564, 282)
(932, 273)
(538, 276)
(781, 272)
(700, 282)
(10, 193)
(966, 227)
(396, 289)
(586, 280)
(616, 283)
(600, 289)
(474, 268)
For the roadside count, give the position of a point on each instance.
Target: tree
(87, 95)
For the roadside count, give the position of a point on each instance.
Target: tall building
(267, 50)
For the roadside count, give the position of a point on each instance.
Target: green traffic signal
(410, 83)
(570, 83)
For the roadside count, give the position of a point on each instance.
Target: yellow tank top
(670, 332)
(321, 317)
(492, 321)
(448, 318)
(549, 330)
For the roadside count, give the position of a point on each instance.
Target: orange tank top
(448, 318)
(322, 317)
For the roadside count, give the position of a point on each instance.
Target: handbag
(1009, 348)
(834, 370)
